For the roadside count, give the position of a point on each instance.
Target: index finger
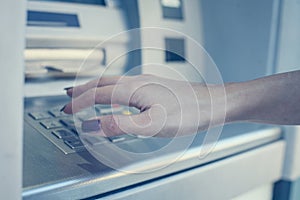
(102, 95)
(103, 81)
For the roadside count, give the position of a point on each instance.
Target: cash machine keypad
(61, 130)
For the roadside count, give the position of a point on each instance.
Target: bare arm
(274, 99)
(172, 108)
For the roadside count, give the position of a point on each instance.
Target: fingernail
(91, 125)
(62, 109)
(67, 88)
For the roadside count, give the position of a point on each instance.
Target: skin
(170, 108)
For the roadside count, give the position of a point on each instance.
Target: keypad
(61, 130)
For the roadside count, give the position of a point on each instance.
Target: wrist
(243, 100)
(212, 105)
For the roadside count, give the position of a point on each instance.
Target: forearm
(274, 99)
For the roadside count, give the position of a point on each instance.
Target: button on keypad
(74, 143)
(51, 124)
(40, 115)
(93, 140)
(57, 113)
(62, 133)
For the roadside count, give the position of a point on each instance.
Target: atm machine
(287, 60)
(70, 42)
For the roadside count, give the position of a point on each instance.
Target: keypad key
(91, 140)
(57, 113)
(106, 111)
(126, 112)
(84, 115)
(120, 138)
(51, 124)
(39, 115)
(74, 130)
(68, 122)
(117, 108)
(98, 108)
(115, 139)
(74, 143)
(63, 133)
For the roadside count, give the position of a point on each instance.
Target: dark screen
(93, 2)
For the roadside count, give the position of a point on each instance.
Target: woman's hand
(168, 108)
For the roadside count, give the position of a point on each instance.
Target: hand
(168, 108)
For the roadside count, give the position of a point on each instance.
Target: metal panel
(50, 174)
(291, 170)
(289, 42)
(221, 180)
(12, 20)
(91, 19)
(238, 36)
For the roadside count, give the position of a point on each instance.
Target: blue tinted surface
(38, 18)
(94, 2)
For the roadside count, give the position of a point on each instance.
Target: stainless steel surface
(223, 179)
(48, 173)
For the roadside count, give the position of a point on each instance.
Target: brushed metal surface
(49, 173)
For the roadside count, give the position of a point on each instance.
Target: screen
(93, 2)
